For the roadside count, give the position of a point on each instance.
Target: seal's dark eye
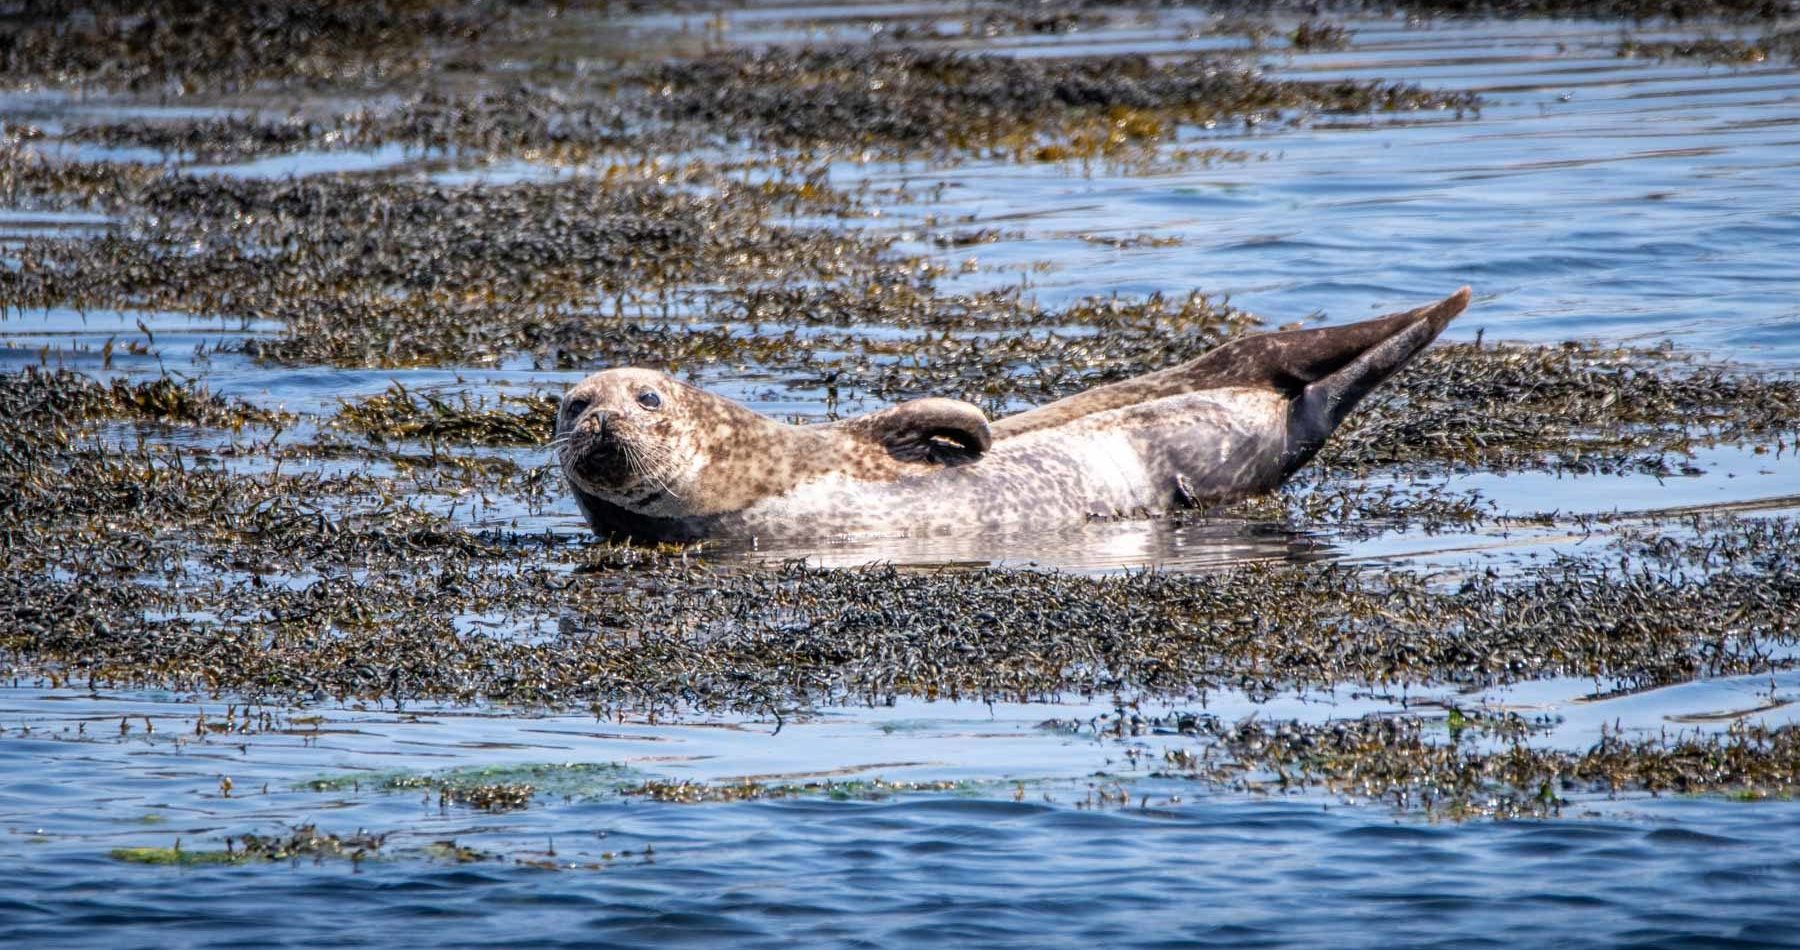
(577, 406)
(649, 399)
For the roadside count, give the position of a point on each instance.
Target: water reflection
(1096, 547)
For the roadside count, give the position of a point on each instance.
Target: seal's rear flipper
(944, 431)
(1289, 362)
(1341, 365)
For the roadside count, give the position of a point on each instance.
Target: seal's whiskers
(647, 461)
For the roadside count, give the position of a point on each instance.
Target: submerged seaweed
(304, 841)
(925, 100)
(1633, 10)
(401, 414)
(1396, 760)
(229, 561)
(186, 45)
(1571, 408)
(1731, 52)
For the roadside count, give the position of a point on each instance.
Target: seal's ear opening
(941, 431)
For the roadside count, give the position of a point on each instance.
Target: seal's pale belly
(1195, 448)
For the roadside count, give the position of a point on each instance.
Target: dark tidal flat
(302, 642)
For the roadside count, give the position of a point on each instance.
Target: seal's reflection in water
(1094, 548)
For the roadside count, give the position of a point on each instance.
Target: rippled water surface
(1592, 196)
(1018, 851)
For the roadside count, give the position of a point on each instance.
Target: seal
(650, 458)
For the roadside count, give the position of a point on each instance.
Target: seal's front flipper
(1364, 363)
(941, 431)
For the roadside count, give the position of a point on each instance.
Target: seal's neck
(742, 456)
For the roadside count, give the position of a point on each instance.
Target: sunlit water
(1593, 197)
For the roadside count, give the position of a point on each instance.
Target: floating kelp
(387, 272)
(1397, 760)
(304, 841)
(189, 45)
(1361, 509)
(59, 398)
(402, 414)
(1637, 10)
(526, 244)
(1571, 408)
(921, 100)
(1468, 764)
(545, 123)
(1319, 35)
(1711, 49)
(220, 139)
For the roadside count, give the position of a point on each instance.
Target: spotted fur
(651, 458)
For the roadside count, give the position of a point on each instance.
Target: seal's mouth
(602, 466)
(598, 457)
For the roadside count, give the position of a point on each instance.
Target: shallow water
(1015, 853)
(1592, 197)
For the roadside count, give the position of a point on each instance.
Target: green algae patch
(566, 780)
(347, 783)
(174, 856)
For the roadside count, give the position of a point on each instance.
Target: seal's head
(628, 436)
(650, 456)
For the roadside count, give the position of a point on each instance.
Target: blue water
(935, 872)
(1592, 197)
(1018, 854)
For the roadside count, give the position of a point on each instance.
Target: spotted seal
(651, 458)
